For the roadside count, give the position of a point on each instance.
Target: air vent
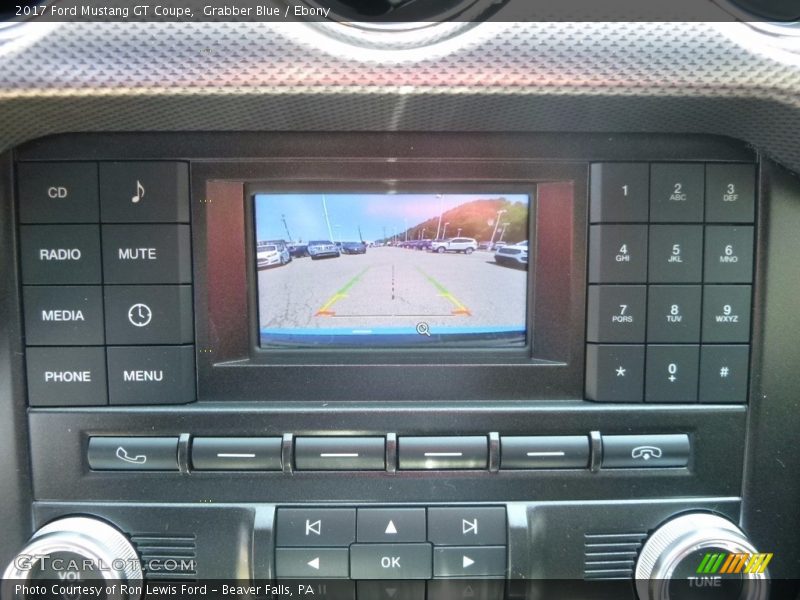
(610, 556)
(167, 556)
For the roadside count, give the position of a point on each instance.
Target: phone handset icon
(646, 452)
(139, 459)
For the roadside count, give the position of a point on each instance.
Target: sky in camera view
(378, 216)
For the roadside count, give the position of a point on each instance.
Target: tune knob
(701, 556)
(73, 552)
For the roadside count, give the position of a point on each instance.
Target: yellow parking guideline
(444, 293)
(342, 293)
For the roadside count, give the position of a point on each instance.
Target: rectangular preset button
(340, 453)
(544, 452)
(455, 452)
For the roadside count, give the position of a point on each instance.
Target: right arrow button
(483, 561)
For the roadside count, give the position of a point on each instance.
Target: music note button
(144, 192)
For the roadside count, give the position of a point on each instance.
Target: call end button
(646, 451)
(151, 375)
(71, 376)
(133, 453)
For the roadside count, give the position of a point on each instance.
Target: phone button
(133, 453)
(646, 451)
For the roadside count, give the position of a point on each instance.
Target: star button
(621, 372)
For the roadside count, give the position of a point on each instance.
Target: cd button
(544, 452)
(63, 315)
(151, 374)
(55, 254)
(66, 376)
(144, 192)
(426, 453)
(149, 314)
(310, 563)
(58, 192)
(147, 254)
(236, 454)
(391, 525)
(316, 526)
(133, 453)
(340, 454)
(467, 526)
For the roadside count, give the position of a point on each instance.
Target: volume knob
(76, 551)
(700, 556)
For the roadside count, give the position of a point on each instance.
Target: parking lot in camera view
(383, 295)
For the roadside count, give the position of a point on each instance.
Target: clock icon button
(140, 315)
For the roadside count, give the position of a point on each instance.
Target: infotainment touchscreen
(392, 270)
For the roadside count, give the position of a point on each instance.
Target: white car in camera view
(271, 255)
(515, 255)
(465, 245)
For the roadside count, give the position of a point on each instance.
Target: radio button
(676, 192)
(133, 453)
(66, 376)
(390, 561)
(391, 525)
(54, 254)
(616, 313)
(156, 314)
(315, 526)
(645, 451)
(236, 454)
(676, 254)
(144, 192)
(618, 254)
(340, 454)
(544, 452)
(619, 192)
(151, 375)
(439, 453)
(147, 254)
(308, 563)
(58, 192)
(729, 254)
(723, 374)
(730, 193)
(672, 373)
(614, 373)
(63, 315)
(470, 561)
(467, 526)
(673, 313)
(726, 313)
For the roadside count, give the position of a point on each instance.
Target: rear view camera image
(392, 270)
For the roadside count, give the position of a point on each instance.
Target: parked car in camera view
(465, 245)
(354, 248)
(272, 255)
(515, 255)
(322, 248)
(297, 250)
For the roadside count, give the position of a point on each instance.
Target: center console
(478, 364)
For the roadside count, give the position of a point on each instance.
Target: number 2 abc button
(147, 254)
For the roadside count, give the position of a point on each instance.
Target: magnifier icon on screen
(423, 329)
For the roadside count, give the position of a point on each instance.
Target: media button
(149, 314)
(56, 192)
(144, 192)
(133, 453)
(467, 526)
(147, 254)
(315, 526)
(66, 376)
(55, 254)
(63, 315)
(455, 452)
(151, 375)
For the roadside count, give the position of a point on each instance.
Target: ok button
(391, 561)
